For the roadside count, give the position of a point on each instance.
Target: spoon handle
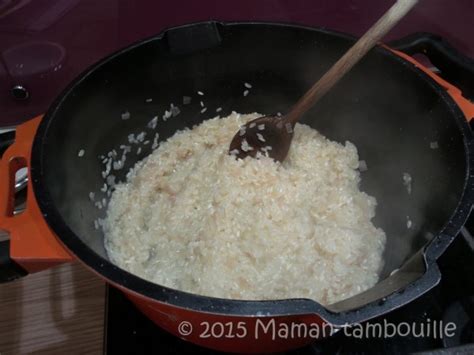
(350, 58)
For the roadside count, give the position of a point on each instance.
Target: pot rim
(229, 307)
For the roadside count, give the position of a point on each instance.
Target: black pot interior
(385, 107)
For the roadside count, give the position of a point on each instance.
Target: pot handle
(32, 246)
(456, 68)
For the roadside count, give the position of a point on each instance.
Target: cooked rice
(194, 218)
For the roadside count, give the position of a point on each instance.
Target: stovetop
(128, 331)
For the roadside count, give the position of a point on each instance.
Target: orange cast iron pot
(44, 235)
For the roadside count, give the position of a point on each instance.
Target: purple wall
(46, 43)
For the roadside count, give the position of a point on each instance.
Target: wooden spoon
(272, 135)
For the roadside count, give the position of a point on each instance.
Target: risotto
(194, 218)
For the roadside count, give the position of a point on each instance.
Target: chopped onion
(126, 115)
(407, 182)
(175, 111)
(155, 141)
(363, 165)
(152, 124)
(141, 137)
(186, 100)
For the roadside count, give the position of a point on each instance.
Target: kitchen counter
(57, 311)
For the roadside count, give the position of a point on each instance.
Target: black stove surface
(128, 331)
